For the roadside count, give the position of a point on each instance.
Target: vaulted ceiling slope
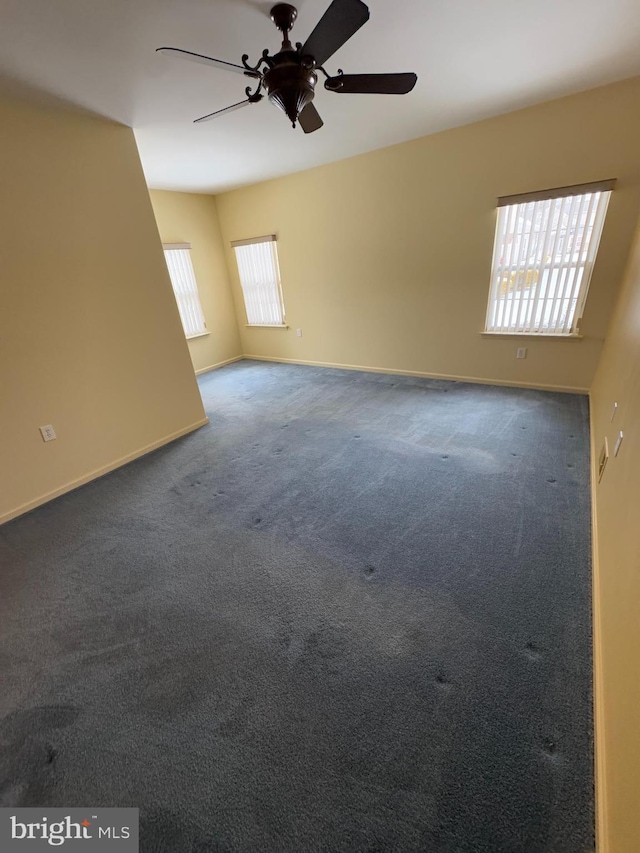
(473, 60)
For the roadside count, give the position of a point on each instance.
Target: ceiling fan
(289, 77)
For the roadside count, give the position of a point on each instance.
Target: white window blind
(185, 288)
(545, 248)
(260, 279)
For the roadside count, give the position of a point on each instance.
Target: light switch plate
(618, 443)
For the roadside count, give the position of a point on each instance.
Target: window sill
(535, 335)
(266, 326)
(199, 335)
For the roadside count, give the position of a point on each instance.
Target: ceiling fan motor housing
(290, 85)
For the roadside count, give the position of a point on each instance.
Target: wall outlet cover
(47, 432)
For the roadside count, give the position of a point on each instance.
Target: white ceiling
(473, 60)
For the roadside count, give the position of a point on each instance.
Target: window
(260, 279)
(185, 288)
(545, 248)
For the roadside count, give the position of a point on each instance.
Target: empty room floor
(351, 614)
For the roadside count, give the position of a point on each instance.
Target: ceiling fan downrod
(290, 82)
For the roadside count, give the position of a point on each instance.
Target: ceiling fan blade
(178, 53)
(253, 100)
(342, 19)
(309, 119)
(372, 84)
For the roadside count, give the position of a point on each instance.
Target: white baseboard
(602, 843)
(219, 364)
(99, 472)
(450, 377)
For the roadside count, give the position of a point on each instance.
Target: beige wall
(90, 337)
(191, 218)
(385, 257)
(617, 572)
(376, 252)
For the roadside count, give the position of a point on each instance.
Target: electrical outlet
(299, 332)
(48, 433)
(521, 352)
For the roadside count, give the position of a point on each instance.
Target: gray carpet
(352, 614)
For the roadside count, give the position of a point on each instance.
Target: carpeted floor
(352, 614)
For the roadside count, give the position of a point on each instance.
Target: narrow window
(185, 288)
(545, 248)
(259, 271)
